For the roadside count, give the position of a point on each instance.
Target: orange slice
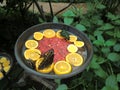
(79, 43)
(1, 75)
(49, 33)
(38, 35)
(74, 59)
(62, 67)
(31, 44)
(72, 38)
(6, 69)
(58, 34)
(45, 70)
(72, 48)
(33, 54)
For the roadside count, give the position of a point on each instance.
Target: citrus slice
(49, 33)
(72, 38)
(79, 43)
(6, 69)
(33, 54)
(31, 44)
(58, 34)
(74, 59)
(45, 70)
(38, 35)
(72, 48)
(1, 75)
(62, 67)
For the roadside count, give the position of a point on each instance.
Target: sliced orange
(1, 75)
(74, 59)
(38, 35)
(62, 67)
(72, 38)
(79, 43)
(49, 33)
(45, 70)
(33, 54)
(58, 34)
(72, 48)
(31, 44)
(3, 60)
(6, 69)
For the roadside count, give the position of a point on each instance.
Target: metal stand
(48, 83)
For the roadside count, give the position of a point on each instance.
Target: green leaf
(68, 13)
(116, 47)
(100, 6)
(118, 77)
(110, 33)
(100, 60)
(110, 42)
(113, 57)
(101, 73)
(97, 32)
(58, 81)
(105, 50)
(85, 22)
(68, 20)
(62, 87)
(81, 27)
(55, 19)
(112, 16)
(106, 26)
(109, 88)
(111, 81)
(98, 42)
(117, 22)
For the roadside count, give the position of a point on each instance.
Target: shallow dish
(20, 47)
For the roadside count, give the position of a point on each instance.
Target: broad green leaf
(100, 60)
(98, 42)
(112, 16)
(111, 81)
(113, 57)
(117, 22)
(105, 50)
(110, 33)
(92, 37)
(110, 42)
(116, 47)
(68, 13)
(80, 27)
(68, 20)
(55, 19)
(58, 81)
(101, 73)
(100, 6)
(100, 37)
(117, 32)
(93, 63)
(118, 77)
(106, 26)
(62, 87)
(109, 88)
(97, 32)
(85, 22)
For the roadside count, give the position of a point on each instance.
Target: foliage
(103, 28)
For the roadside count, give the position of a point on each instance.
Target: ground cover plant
(102, 25)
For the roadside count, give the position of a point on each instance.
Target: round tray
(20, 47)
(6, 55)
